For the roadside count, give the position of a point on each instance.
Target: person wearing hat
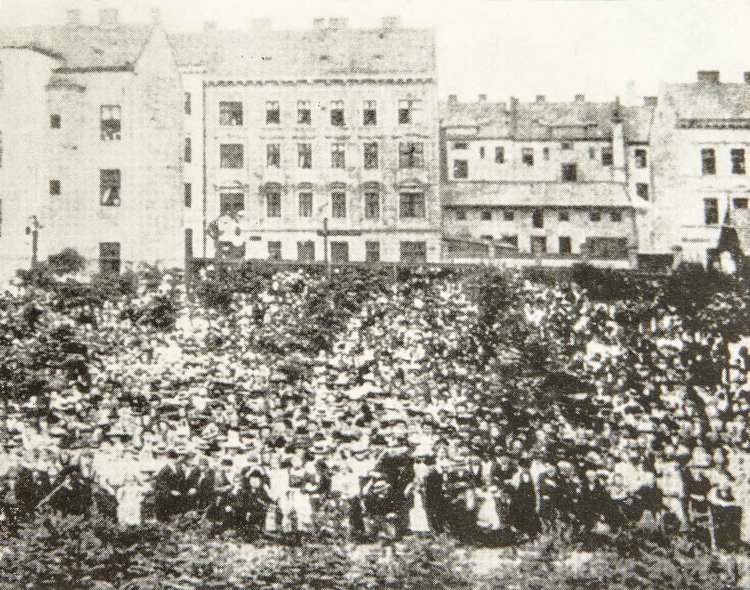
(251, 503)
(170, 487)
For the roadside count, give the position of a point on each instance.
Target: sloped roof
(270, 54)
(706, 100)
(537, 194)
(83, 47)
(254, 54)
(547, 120)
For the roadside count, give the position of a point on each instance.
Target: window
(460, 169)
(337, 113)
(607, 158)
(708, 161)
(109, 188)
(306, 251)
(595, 216)
(111, 123)
(231, 155)
(564, 215)
(739, 203)
(188, 195)
(537, 218)
(527, 156)
(566, 145)
(538, 244)
(273, 113)
(305, 204)
(481, 152)
(545, 153)
(304, 112)
(370, 113)
(460, 214)
(641, 190)
(411, 155)
(508, 215)
(738, 161)
(592, 153)
(109, 258)
(371, 156)
(372, 205)
(231, 203)
(460, 145)
(486, 216)
(569, 172)
(640, 158)
(711, 211)
(273, 155)
(338, 156)
(564, 245)
(54, 121)
(339, 252)
(499, 155)
(408, 111)
(274, 250)
(188, 104)
(273, 203)
(230, 113)
(615, 216)
(304, 155)
(412, 205)
(338, 205)
(188, 150)
(413, 252)
(54, 187)
(509, 241)
(372, 251)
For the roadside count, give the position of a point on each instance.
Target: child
(129, 500)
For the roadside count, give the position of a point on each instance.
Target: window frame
(305, 204)
(110, 129)
(338, 155)
(370, 113)
(339, 208)
(412, 204)
(273, 112)
(228, 114)
(370, 156)
(460, 169)
(372, 212)
(273, 203)
(337, 113)
(527, 156)
(737, 159)
(231, 203)
(114, 199)
(225, 157)
(411, 155)
(304, 156)
(304, 112)
(273, 155)
(708, 162)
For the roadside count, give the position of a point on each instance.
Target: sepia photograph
(362, 295)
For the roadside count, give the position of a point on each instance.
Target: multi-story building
(700, 139)
(90, 129)
(542, 182)
(322, 143)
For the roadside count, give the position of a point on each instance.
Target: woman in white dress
(418, 522)
(278, 483)
(303, 479)
(129, 500)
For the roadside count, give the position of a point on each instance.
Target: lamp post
(33, 230)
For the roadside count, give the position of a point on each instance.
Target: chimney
(452, 99)
(708, 76)
(319, 24)
(73, 17)
(580, 98)
(260, 24)
(746, 75)
(108, 17)
(156, 15)
(650, 101)
(391, 22)
(338, 23)
(540, 98)
(482, 98)
(209, 26)
(513, 116)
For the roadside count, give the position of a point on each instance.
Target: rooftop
(536, 194)
(539, 120)
(258, 53)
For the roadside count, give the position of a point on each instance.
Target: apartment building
(544, 182)
(700, 140)
(90, 134)
(311, 145)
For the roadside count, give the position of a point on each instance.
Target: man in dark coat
(170, 488)
(435, 502)
(397, 468)
(32, 486)
(252, 503)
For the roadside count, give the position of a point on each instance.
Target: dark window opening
(109, 188)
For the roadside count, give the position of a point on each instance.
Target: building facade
(90, 132)
(544, 183)
(322, 147)
(700, 139)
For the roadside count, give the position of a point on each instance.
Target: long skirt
(418, 522)
(302, 508)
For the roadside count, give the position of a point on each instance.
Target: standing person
(252, 502)
(130, 497)
(302, 483)
(279, 510)
(418, 521)
(169, 488)
(435, 502)
(523, 517)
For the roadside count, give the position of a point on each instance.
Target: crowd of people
(381, 436)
